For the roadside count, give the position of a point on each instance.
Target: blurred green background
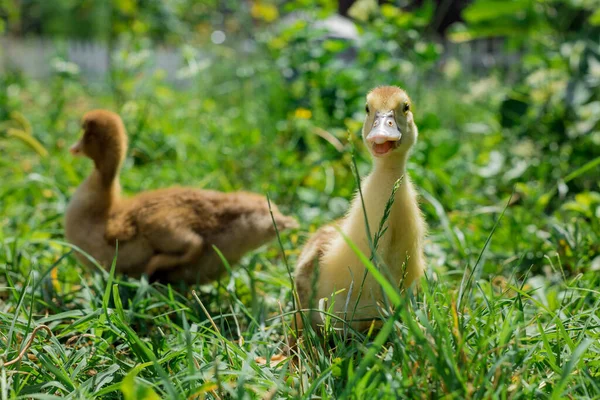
(269, 96)
(218, 93)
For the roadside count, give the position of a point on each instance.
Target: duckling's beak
(385, 134)
(76, 149)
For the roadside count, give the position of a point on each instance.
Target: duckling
(327, 267)
(167, 234)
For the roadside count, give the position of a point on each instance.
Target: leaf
(588, 198)
(510, 28)
(59, 372)
(390, 11)
(595, 18)
(388, 288)
(127, 7)
(334, 46)
(204, 388)
(512, 111)
(576, 207)
(373, 349)
(361, 10)
(480, 11)
(569, 367)
(133, 390)
(583, 169)
(105, 377)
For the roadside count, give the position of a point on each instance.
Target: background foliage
(507, 166)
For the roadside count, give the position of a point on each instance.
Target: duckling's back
(235, 223)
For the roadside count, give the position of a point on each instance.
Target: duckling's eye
(367, 108)
(406, 107)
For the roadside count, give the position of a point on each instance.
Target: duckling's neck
(393, 166)
(97, 194)
(107, 170)
(102, 190)
(377, 189)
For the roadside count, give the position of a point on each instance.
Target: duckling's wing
(159, 210)
(308, 260)
(180, 209)
(172, 248)
(121, 226)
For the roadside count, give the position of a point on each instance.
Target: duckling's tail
(285, 222)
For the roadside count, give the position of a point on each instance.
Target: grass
(509, 307)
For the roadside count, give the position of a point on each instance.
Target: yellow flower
(302, 113)
(54, 279)
(266, 12)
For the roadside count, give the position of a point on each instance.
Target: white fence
(480, 54)
(33, 56)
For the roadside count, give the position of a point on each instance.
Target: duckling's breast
(89, 238)
(132, 255)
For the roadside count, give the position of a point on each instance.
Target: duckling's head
(389, 128)
(104, 139)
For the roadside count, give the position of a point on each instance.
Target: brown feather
(168, 233)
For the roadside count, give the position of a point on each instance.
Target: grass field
(510, 306)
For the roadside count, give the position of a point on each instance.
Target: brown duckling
(167, 233)
(328, 264)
